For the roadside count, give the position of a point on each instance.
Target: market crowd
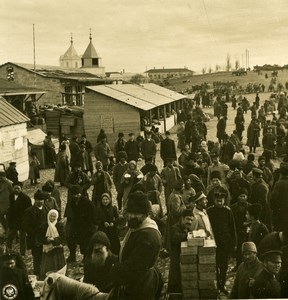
(237, 198)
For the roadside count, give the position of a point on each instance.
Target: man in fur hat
(134, 277)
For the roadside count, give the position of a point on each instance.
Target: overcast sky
(135, 34)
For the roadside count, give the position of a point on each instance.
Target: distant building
(160, 74)
(91, 61)
(70, 59)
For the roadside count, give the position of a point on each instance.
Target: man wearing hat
(99, 262)
(102, 151)
(11, 172)
(74, 150)
(6, 189)
(19, 202)
(223, 226)
(259, 194)
(80, 223)
(84, 159)
(169, 175)
(132, 148)
(217, 166)
(200, 213)
(119, 145)
(86, 143)
(278, 200)
(167, 149)
(239, 210)
(148, 147)
(266, 285)
(267, 173)
(14, 282)
(34, 223)
(179, 231)
(118, 172)
(135, 277)
(247, 271)
(149, 161)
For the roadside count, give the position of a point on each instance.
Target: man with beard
(14, 282)
(80, 224)
(178, 234)
(34, 222)
(19, 202)
(266, 285)
(99, 261)
(247, 271)
(135, 277)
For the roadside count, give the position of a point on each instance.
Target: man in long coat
(167, 149)
(135, 277)
(221, 129)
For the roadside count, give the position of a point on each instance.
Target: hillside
(251, 77)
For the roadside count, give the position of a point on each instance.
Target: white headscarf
(52, 231)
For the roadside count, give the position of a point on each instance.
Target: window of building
(95, 62)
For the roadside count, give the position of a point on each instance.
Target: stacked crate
(198, 269)
(52, 118)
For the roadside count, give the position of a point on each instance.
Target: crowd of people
(237, 199)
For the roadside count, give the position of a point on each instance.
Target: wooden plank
(206, 268)
(189, 268)
(189, 285)
(207, 259)
(207, 275)
(188, 259)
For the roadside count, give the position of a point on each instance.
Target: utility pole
(34, 55)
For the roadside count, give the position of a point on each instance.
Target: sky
(137, 35)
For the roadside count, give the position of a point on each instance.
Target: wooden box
(188, 259)
(207, 259)
(206, 284)
(187, 268)
(191, 294)
(189, 285)
(193, 276)
(205, 268)
(195, 242)
(207, 276)
(185, 250)
(208, 294)
(207, 251)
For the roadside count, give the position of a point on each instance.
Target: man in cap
(259, 194)
(34, 223)
(223, 226)
(74, 150)
(14, 282)
(80, 223)
(179, 231)
(86, 143)
(102, 151)
(19, 202)
(169, 175)
(200, 213)
(167, 149)
(135, 277)
(267, 174)
(266, 285)
(99, 261)
(217, 166)
(239, 210)
(278, 199)
(247, 271)
(83, 157)
(6, 189)
(11, 172)
(149, 161)
(102, 183)
(76, 178)
(132, 148)
(148, 147)
(118, 171)
(119, 145)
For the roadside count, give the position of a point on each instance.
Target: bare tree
(237, 64)
(210, 70)
(137, 78)
(203, 70)
(228, 62)
(217, 68)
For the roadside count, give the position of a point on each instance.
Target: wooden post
(150, 117)
(158, 113)
(164, 115)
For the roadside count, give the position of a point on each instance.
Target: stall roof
(9, 115)
(11, 88)
(144, 97)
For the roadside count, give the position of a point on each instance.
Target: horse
(59, 287)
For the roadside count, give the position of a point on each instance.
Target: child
(255, 230)
(107, 220)
(34, 168)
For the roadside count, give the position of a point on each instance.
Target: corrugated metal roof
(142, 96)
(163, 91)
(7, 87)
(9, 115)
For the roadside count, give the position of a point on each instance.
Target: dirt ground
(75, 270)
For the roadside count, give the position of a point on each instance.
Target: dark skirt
(54, 260)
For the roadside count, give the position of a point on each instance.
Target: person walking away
(11, 172)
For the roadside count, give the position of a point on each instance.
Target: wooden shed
(13, 138)
(126, 107)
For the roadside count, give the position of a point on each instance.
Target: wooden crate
(207, 251)
(188, 259)
(208, 294)
(185, 250)
(195, 242)
(189, 285)
(189, 268)
(193, 276)
(206, 268)
(191, 294)
(207, 259)
(67, 120)
(206, 284)
(207, 275)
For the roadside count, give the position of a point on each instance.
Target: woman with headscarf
(129, 179)
(53, 258)
(107, 217)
